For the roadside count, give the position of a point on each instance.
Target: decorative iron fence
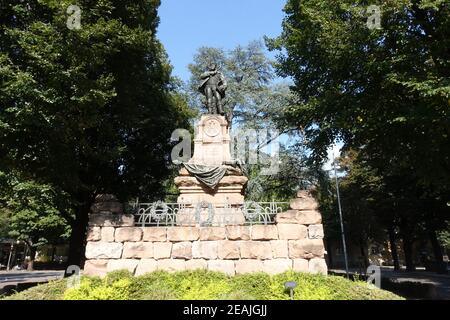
(206, 214)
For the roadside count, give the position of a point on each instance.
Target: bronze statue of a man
(213, 86)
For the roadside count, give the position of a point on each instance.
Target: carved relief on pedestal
(212, 127)
(212, 141)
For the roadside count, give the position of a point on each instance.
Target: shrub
(206, 285)
(54, 290)
(188, 285)
(115, 286)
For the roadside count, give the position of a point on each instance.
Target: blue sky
(187, 25)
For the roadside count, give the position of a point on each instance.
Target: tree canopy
(87, 110)
(252, 95)
(383, 92)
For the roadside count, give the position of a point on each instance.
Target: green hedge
(205, 285)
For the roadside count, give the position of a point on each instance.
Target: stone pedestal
(230, 189)
(212, 141)
(212, 148)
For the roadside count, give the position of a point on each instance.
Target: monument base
(227, 197)
(294, 242)
(229, 191)
(201, 188)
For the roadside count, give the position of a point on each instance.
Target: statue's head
(212, 66)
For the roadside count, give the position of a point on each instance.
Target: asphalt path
(440, 282)
(13, 278)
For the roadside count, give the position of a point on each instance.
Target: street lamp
(10, 255)
(344, 245)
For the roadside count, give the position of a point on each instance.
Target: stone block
(122, 264)
(256, 250)
(292, 231)
(95, 268)
(301, 265)
(306, 249)
(182, 250)
(107, 207)
(228, 250)
(146, 266)
(279, 248)
(304, 201)
(111, 220)
(287, 217)
(205, 249)
(182, 234)
(107, 234)
(212, 233)
(318, 266)
(104, 250)
(315, 231)
(156, 234)
(142, 250)
(264, 232)
(238, 232)
(277, 266)
(309, 217)
(171, 265)
(224, 266)
(94, 234)
(248, 266)
(196, 264)
(162, 250)
(306, 217)
(128, 234)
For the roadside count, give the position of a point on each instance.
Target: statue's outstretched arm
(205, 75)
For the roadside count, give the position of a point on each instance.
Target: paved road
(12, 278)
(440, 282)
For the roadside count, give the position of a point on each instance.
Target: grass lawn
(205, 285)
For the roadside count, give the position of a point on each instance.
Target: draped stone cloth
(208, 175)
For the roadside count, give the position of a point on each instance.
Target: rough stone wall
(294, 242)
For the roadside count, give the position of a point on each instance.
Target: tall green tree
(366, 215)
(252, 94)
(4, 223)
(86, 110)
(255, 99)
(386, 90)
(35, 217)
(444, 238)
(383, 91)
(4, 213)
(291, 172)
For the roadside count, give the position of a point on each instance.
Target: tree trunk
(53, 253)
(363, 251)
(394, 251)
(408, 250)
(78, 236)
(437, 250)
(30, 266)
